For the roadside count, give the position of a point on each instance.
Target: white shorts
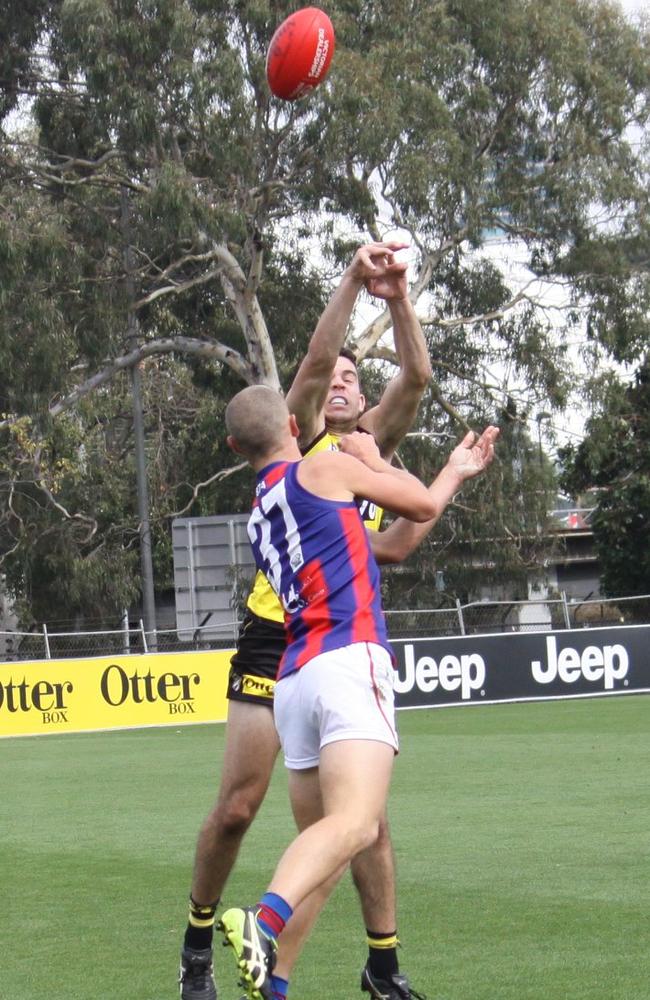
(345, 694)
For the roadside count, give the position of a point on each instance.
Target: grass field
(522, 835)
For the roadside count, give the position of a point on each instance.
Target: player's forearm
(329, 336)
(410, 345)
(379, 464)
(307, 393)
(399, 540)
(402, 537)
(409, 497)
(391, 419)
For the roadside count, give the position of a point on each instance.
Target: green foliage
(70, 532)
(494, 534)
(614, 462)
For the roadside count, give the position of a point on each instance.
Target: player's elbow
(420, 375)
(426, 510)
(386, 554)
(393, 553)
(320, 358)
(393, 545)
(426, 375)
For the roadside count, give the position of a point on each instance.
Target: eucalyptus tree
(500, 138)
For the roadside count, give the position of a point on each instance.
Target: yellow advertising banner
(113, 692)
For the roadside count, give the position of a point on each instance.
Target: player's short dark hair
(345, 352)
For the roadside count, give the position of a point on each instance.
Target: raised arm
(394, 414)
(469, 459)
(308, 392)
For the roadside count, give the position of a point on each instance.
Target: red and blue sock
(279, 988)
(273, 914)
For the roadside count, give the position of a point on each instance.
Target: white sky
(634, 6)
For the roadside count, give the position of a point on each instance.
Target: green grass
(522, 835)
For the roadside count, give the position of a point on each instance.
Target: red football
(300, 53)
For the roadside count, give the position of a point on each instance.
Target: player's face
(345, 402)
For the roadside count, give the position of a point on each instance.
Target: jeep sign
(522, 666)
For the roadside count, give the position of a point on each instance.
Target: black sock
(200, 925)
(382, 954)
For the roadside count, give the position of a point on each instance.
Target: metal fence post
(145, 647)
(461, 623)
(126, 648)
(565, 608)
(48, 655)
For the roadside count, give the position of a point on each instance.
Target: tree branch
(246, 307)
(181, 345)
(89, 522)
(177, 288)
(216, 478)
(452, 324)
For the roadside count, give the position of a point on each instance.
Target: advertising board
(153, 689)
(522, 666)
(75, 695)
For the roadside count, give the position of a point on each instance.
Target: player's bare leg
(374, 876)
(353, 779)
(373, 871)
(250, 753)
(354, 776)
(252, 746)
(307, 809)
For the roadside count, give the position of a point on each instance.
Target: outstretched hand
(374, 264)
(473, 455)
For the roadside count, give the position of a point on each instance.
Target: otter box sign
(522, 666)
(49, 696)
(112, 692)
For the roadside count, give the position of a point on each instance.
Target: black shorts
(255, 662)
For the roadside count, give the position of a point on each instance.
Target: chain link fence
(48, 644)
(518, 616)
(463, 619)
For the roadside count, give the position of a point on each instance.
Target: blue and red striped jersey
(315, 554)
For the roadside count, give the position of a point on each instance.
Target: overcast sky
(634, 6)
